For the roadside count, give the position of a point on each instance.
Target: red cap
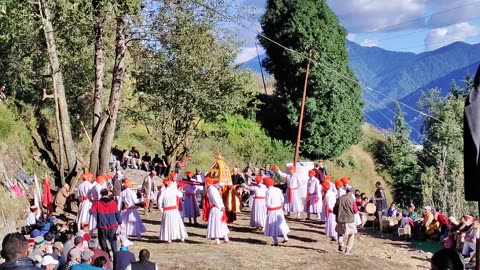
(268, 181)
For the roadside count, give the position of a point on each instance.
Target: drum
(370, 208)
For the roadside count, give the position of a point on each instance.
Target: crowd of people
(108, 211)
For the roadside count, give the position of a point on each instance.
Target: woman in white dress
(313, 202)
(130, 217)
(172, 227)
(258, 212)
(275, 225)
(217, 223)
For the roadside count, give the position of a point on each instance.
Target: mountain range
(403, 76)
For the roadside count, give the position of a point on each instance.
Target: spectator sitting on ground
(411, 212)
(447, 259)
(143, 262)
(14, 251)
(98, 252)
(61, 198)
(405, 220)
(157, 164)
(57, 255)
(146, 162)
(123, 257)
(49, 263)
(466, 222)
(86, 262)
(101, 262)
(470, 241)
(392, 210)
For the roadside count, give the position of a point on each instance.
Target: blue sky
(398, 25)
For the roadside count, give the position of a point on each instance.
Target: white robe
(83, 215)
(172, 227)
(190, 203)
(295, 205)
(331, 223)
(275, 222)
(258, 213)
(341, 192)
(314, 193)
(216, 228)
(130, 217)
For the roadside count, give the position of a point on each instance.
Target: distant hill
(403, 76)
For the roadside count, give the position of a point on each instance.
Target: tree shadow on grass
(302, 239)
(310, 231)
(249, 241)
(151, 221)
(319, 250)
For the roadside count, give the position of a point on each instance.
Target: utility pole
(300, 121)
(261, 70)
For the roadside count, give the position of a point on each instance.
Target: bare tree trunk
(117, 82)
(58, 85)
(98, 96)
(61, 166)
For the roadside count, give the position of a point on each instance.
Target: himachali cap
(259, 179)
(127, 183)
(311, 173)
(344, 180)
(326, 185)
(268, 181)
(39, 241)
(338, 183)
(100, 179)
(328, 177)
(166, 182)
(31, 240)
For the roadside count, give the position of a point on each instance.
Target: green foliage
(401, 162)
(333, 110)
(443, 152)
(190, 78)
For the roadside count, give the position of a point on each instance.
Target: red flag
(47, 195)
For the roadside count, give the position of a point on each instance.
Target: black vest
(143, 265)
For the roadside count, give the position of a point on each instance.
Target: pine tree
(333, 109)
(402, 163)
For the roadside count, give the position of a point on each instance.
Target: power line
(424, 17)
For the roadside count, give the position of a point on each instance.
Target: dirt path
(308, 248)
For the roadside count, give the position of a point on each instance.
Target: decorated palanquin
(220, 173)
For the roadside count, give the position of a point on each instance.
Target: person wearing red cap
(323, 215)
(329, 201)
(85, 200)
(258, 212)
(313, 202)
(191, 210)
(275, 224)
(172, 227)
(293, 202)
(217, 220)
(340, 189)
(149, 190)
(130, 217)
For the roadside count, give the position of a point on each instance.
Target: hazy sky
(399, 25)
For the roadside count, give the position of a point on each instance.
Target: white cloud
(247, 53)
(351, 36)
(369, 42)
(440, 37)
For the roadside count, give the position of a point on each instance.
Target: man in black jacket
(14, 251)
(143, 262)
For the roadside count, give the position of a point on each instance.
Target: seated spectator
(411, 212)
(392, 210)
(84, 232)
(123, 257)
(113, 162)
(86, 262)
(143, 262)
(32, 218)
(470, 241)
(465, 223)
(99, 253)
(61, 198)
(442, 230)
(146, 162)
(429, 222)
(14, 251)
(269, 172)
(57, 255)
(157, 164)
(101, 262)
(405, 220)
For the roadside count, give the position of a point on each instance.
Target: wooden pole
(300, 121)
(261, 70)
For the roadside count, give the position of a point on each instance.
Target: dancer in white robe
(275, 225)
(172, 227)
(130, 217)
(217, 223)
(313, 202)
(323, 215)
(340, 190)
(330, 200)
(191, 210)
(95, 195)
(293, 201)
(258, 212)
(84, 188)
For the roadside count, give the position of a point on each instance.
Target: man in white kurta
(130, 217)
(258, 212)
(293, 201)
(275, 225)
(172, 227)
(330, 200)
(313, 202)
(217, 224)
(191, 210)
(85, 202)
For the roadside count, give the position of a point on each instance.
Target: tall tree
(58, 85)
(187, 76)
(402, 163)
(333, 110)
